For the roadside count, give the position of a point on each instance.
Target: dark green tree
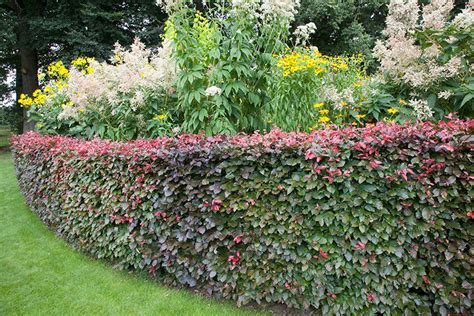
(344, 27)
(35, 32)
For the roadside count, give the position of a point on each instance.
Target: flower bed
(350, 220)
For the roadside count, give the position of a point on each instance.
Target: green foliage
(90, 28)
(349, 221)
(233, 55)
(117, 122)
(310, 90)
(121, 122)
(345, 27)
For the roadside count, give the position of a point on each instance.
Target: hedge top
(317, 144)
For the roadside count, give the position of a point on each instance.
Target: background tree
(348, 27)
(344, 27)
(35, 32)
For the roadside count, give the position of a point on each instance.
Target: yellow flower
(80, 61)
(324, 119)
(160, 117)
(57, 70)
(318, 105)
(337, 66)
(118, 58)
(83, 64)
(319, 70)
(343, 103)
(361, 115)
(89, 70)
(402, 102)
(60, 84)
(392, 111)
(323, 112)
(40, 99)
(25, 100)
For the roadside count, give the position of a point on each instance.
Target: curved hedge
(377, 219)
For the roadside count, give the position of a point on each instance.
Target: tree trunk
(29, 67)
(27, 52)
(29, 80)
(18, 111)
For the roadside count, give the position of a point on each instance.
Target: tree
(344, 27)
(36, 32)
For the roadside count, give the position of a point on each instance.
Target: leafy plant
(224, 59)
(310, 90)
(429, 60)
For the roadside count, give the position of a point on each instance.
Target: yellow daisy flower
(324, 119)
(318, 105)
(392, 111)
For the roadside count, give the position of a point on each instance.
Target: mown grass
(5, 134)
(41, 275)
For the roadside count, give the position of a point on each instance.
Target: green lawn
(41, 275)
(5, 134)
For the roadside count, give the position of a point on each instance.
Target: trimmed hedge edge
(375, 219)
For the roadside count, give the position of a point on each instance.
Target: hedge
(355, 220)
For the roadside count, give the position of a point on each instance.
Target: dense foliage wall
(376, 219)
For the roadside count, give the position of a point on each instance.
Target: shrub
(375, 219)
(429, 59)
(225, 57)
(128, 98)
(310, 90)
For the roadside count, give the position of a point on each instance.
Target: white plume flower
(421, 109)
(280, 8)
(466, 18)
(131, 73)
(402, 58)
(303, 32)
(212, 91)
(435, 14)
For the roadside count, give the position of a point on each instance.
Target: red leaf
(323, 254)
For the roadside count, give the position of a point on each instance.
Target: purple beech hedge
(356, 220)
